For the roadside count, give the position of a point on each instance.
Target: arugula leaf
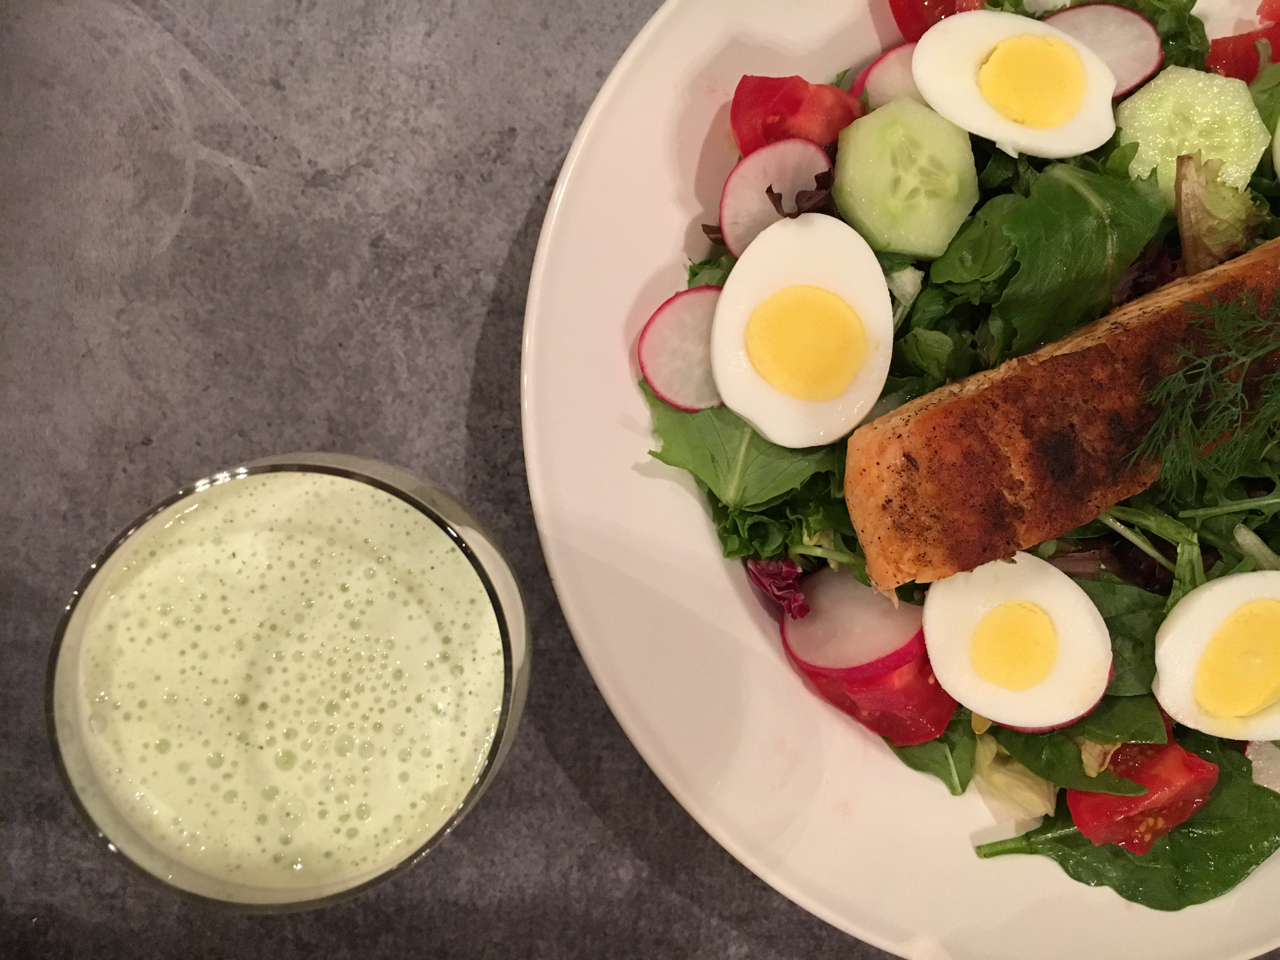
(1203, 858)
(1076, 235)
(711, 272)
(949, 757)
(1133, 616)
(730, 459)
(1181, 34)
(1055, 758)
(1122, 720)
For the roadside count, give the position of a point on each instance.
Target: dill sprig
(1216, 416)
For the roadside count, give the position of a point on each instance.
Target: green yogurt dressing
(288, 680)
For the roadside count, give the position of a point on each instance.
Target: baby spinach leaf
(1234, 832)
(948, 757)
(1122, 720)
(1132, 616)
(730, 459)
(1076, 235)
(1055, 758)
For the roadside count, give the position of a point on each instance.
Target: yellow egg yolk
(1014, 646)
(1036, 81)
(806, 342)
(1239, 672)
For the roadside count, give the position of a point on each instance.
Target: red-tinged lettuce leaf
(1215, 222)
(780, 581)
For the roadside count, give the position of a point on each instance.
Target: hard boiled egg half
(1018, 642)
(1024, 84)
(1218, 658)
(803, 332)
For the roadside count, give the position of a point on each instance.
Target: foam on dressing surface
(290, 679)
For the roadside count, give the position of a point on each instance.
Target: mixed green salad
(1053, 244)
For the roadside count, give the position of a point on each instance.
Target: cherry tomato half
(1178, 783)
(914, 17)
(768, 109)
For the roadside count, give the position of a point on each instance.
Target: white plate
(683, 652)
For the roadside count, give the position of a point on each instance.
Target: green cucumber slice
(905, 178)
(1183, 111)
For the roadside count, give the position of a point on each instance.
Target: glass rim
(295, 463)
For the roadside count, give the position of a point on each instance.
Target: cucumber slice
(905, 178)
(1183, 111)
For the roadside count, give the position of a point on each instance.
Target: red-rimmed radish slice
(787, 166)
(674, 350)
(888, 77)
(868, 658)
(1126, 41)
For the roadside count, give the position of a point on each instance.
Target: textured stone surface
(232, 229)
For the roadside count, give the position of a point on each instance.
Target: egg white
(954, 606)
(1181, 642)
(810, 250)
(945, 67)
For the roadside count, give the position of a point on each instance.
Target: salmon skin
(1040, 445)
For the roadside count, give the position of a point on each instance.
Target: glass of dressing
(288, 681)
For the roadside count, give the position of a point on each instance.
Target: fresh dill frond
(1217, 416)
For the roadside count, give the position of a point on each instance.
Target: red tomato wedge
(1269, 11)
(1178, 783)
(914, 17)
(768, 109)
(1237, 56)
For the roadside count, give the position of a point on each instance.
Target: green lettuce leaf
(980, 253)
(1076, 235)
(726, 455)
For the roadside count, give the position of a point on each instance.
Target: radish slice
(787, 166)
(1126, 41)
(888, 78)
(867, 657)
(852, 631)
(675, 350)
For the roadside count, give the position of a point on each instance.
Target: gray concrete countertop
(237, 228)
(230, 229)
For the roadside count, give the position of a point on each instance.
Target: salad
(925, 228)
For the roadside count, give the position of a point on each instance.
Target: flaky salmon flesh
(1040, 445)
